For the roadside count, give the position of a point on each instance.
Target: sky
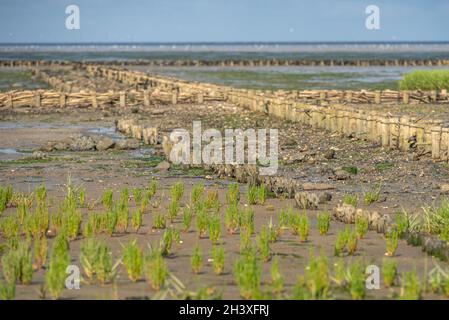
(44, 21)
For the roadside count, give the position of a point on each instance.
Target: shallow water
(10, 154)
(292, 77)
(106, 131)
(219, 51)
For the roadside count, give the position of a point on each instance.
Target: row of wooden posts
(313, 96)
(241, 62)
(51, 98)
(391, 131)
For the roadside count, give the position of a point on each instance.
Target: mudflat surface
(405, 184)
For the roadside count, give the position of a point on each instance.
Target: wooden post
(385, 131)
(443, 94)
(377, 97)
(146, 98)
(62, 100)
(122, 102)
(404, 133)
(333, 120)
(360, 124)
(433, 95)
(94, 100)
(405, 97)
(174, 97)
(37, 99)
(200, 97)
(323, 96)
(349, 96)
(10, 100)
(352, 122)
(340, 120)
(444, 144)
(436, 140)
(394, 132)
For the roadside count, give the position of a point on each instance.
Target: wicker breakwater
(243, 62)
(388, 130)
(319, 109)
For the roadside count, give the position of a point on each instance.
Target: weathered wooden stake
(122, 98)
(436, 140)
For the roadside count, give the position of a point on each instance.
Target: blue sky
(223, 20)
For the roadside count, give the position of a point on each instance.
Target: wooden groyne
(134, 78)
(242, 63)
(125, 98)
(319, 109)
(394, 131)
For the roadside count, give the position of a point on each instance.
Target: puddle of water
(142, 153)
(10, 154)
(109, 132)
(34, 179)
(105, 131)
(9, 151)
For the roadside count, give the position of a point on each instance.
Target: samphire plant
(277, 280)
(166, 243)
(187, 215)
(389, 271)
(323, 222)
(108, 198)
(159, 221)
(133, 260)
(233, 195)
(341, 242)
(136, 220)
(155, 269)
(40, 252)
(410, 286)
(96, 260)
(177, 191)
(391, 239)
(356, 280)
(196, 260)
(232, 218)
(18, 264)
(252, 194)
(59, 261)
(214, 228)
(247, 273)
(6, 194)
(351, 199)
(263, 242)
(218, 259)
(361, 226)
(196, 194)
(317, 277)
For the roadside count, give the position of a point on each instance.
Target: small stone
(38, 155)
(297, 158)
(162, 166)
(128, 144)
(104, 144)
(48, 147)
(329, 154)
(444, 188)
(61, 146)
(317, 186)
(82, 143)
(341, 174)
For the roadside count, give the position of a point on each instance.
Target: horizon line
(336, 42)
